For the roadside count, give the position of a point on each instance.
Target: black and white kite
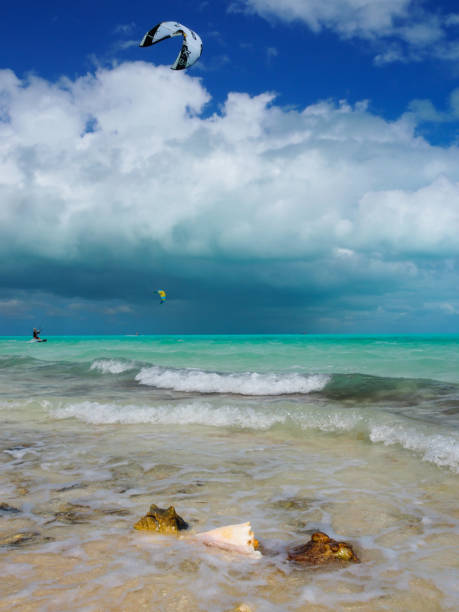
(191, 47)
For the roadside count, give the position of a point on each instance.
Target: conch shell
(237, 538)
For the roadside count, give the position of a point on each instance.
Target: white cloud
(124, 162)
(417, 31)
(424, 110)
(349, 17)
(125, 28)
(425, 221)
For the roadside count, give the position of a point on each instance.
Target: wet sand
(72, 492)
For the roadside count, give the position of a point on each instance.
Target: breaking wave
(245, 383)
(432, 443)
(112, 366)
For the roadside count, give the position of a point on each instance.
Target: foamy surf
(244, 383)
(111, 366)
(194, 413)
(431, 443)
(441, 449)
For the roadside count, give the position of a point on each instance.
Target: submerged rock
(77, 513)
(7, 508)
(19, 539)
(321, 549)
(294, 503)
(161, 520)
(72, 514)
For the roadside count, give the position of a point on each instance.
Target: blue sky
(303, 176)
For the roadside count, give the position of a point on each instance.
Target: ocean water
(355, 436)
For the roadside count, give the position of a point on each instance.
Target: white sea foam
(245, 383)
(111, 366)
(194, 413)
(441, 449)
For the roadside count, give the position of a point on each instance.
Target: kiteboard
(39, 340)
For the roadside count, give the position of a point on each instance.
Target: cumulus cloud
(424, 110)
(122, 171)
(424, 221)
(407, 31)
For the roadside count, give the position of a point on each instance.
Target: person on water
(35, 333)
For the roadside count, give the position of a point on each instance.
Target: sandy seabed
(72, 492)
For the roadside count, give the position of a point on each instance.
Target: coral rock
(161, 520)
(322, 549)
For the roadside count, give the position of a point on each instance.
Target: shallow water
(293, 434)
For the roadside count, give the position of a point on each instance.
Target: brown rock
(161, 520)
(322, 549)
(19, 539)
(7, 508)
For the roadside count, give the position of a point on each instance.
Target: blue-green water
(430, 357)
(357, 382)
(354, 435)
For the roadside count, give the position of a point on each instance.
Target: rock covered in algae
(77, 513)
(161, 520)
(22, 538)
(322, 549)
(4, 508)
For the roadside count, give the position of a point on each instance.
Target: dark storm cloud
(256, 218)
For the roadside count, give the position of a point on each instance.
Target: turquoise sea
(356, 436)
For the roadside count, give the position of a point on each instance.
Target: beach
(355, 436)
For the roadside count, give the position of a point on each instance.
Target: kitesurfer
(35, 333)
